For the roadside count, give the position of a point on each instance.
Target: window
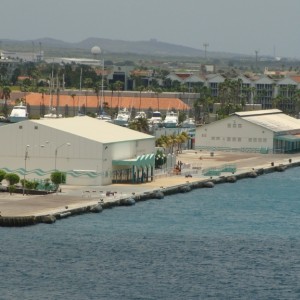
(228, 125)
(239, 125)
(234, 139)
(213, 138)
(239, 139)
(264, 140)
(228, 139)
(234, 125)
(259, 140)
(254, 140)
(250, 140)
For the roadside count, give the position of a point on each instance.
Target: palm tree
(6, 95)
(97, 92)
(181, 139)
(140, 89)
(157, 92)
(118, 85)
(112, 88)
(141, 124)
(73, 98)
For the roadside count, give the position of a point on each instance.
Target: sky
(270, 27)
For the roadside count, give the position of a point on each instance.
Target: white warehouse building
(88, 150)
(265, 131)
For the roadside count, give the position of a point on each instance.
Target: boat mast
(102, 88)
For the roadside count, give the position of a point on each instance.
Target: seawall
(160, 193)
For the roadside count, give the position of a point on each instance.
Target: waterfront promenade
(194, 162)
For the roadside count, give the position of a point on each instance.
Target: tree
(6, 95)
(118, 86)
(58, 177)
(12, 178)
(140, 124)
(160, 159)
(73, 98)
(181, 139)
(2, 175)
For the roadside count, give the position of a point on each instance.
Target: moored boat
(18, 113)
(140, 115)
(171, 120)
(123, 117)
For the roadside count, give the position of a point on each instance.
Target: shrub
(160, 159)
(58, 177)
(12, 178)
(2, 175)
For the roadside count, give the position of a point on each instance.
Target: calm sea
(235, 241)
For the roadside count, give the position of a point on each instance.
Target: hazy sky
(237, 26)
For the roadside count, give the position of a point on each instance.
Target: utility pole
(256, 58)
(205, 45)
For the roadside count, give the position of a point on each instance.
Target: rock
(252, 174)
(185, 189)
(280, 168)
(208, 184)
(49, 219)
(159, 195)
(127, 202)
(231, 179)
(97, 208)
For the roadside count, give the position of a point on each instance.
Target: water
(236, 241)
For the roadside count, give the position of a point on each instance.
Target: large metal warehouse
(265, 131)
(88, 150)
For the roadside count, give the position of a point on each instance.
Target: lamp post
(64, 144)
(25, 167)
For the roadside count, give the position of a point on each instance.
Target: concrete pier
(19, 210)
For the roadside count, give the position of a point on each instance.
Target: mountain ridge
(151, 47)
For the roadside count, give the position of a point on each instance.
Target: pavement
(194, 162)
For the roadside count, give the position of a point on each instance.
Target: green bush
(160, 159)
(58, 177)
(12, 178)
(2, 175)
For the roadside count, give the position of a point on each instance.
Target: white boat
(188, 123)
(52, 114)
(123, 117)
(171, 120)
(18, 113)
(140, 115)
(104, 116)
(156, 118)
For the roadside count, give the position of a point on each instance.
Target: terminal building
(88, 150)
(264, 131)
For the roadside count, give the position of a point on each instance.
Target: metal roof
(272, 119)
(288, 138)
(93, 129)
(141, 161)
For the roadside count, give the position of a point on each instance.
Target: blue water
(235, 241)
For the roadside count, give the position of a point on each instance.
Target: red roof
(143, 103)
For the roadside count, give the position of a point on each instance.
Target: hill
(154, 48)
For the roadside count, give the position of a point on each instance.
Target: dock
(23, 210)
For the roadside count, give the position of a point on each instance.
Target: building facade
(89, 151)
(264, 131)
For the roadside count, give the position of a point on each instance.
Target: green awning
(146, 160)
(288, 138)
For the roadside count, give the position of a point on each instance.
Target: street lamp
(64, 144)
(25, 160)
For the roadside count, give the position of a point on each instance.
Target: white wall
(234, 133)
(82, 154)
